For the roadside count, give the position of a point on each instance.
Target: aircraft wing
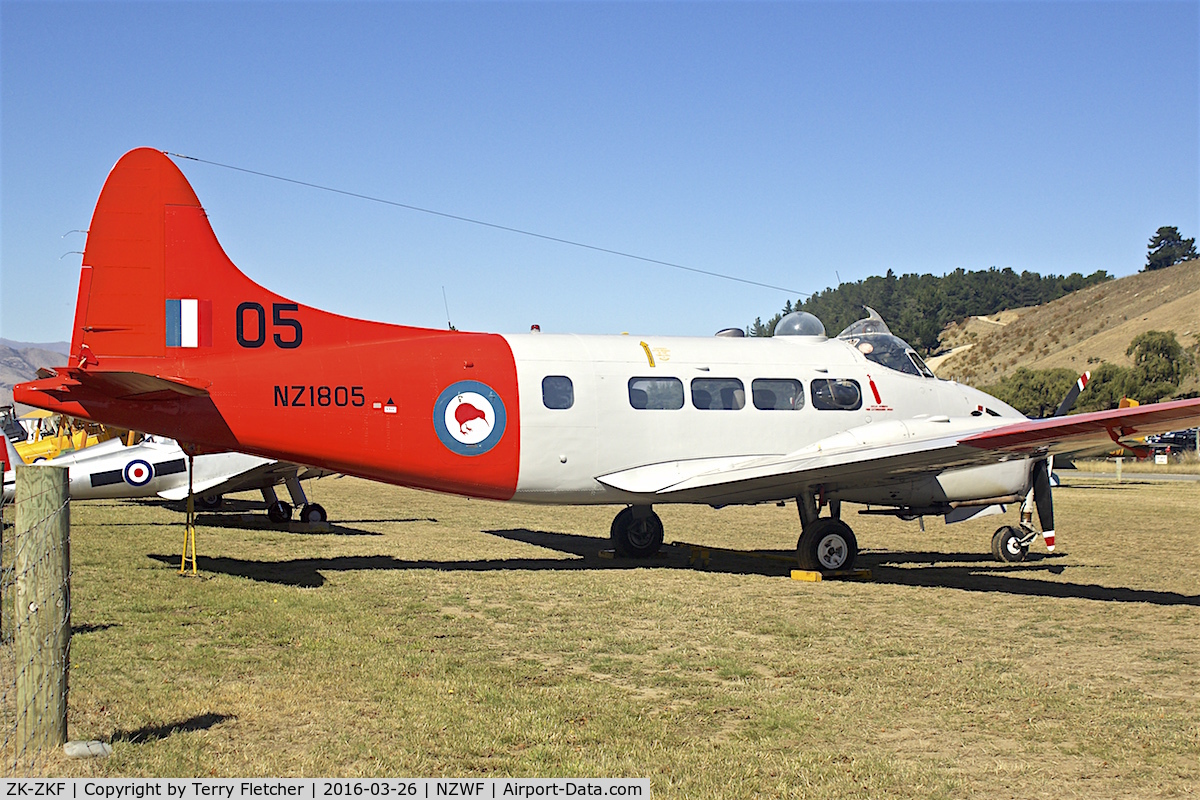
(896, 452)
(268, 473)
(1082, 432)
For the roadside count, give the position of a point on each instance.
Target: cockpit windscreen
(874, 340)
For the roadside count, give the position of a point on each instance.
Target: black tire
(279, 511)
(209, 502)
(312, 512)
(827, 545)
(1007, 547)
(996, 542)
(636, 538)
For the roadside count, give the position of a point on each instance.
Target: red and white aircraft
(171, 338)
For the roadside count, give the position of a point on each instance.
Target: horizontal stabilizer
(136, 385)
(68, 381)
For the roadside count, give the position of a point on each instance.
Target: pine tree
(1167, 248)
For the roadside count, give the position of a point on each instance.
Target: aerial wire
(493, 225)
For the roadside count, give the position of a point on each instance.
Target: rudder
(151, 267)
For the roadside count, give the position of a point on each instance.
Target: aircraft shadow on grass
(972, 572)
(230, 518)
(153, 733)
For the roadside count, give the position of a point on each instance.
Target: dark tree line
(918, 307)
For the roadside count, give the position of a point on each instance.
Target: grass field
(436, 636)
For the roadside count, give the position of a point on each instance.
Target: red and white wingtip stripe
(1048, 538)
(1083, 380)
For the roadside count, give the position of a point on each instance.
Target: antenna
(449, 324)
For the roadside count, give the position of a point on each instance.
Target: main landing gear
(826, 543)
(279, 511)
(637, 532)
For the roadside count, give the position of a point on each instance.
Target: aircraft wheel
(1007, 547)
(827, 544)
(279, 511)
(209, 502)
(637, 538)
(312, 512)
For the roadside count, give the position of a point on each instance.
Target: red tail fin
(128, 258)
(171, 338)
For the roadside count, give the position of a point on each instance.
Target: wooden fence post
(42, 607)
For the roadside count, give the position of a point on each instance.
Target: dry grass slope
(436, 636)
(1079, 330)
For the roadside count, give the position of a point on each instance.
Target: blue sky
(784, 143)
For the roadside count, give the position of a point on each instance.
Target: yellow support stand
(189, 531)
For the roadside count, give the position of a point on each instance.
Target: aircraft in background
(50, 435)
(169, 336)
(13, 430)
(157, 467)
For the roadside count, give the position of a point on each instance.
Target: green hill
(918, 307)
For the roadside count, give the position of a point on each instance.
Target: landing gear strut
(1010, 543)
(637, 532)
(280, 511)
(277, 510)
(826, 543)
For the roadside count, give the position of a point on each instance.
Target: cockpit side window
(921, 366)
(832, 394)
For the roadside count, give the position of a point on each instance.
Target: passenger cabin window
(656, 393)
(830, 394)
(726, 394)
(777, 394)
(557, 392)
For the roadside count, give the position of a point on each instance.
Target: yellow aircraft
(54, 434)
